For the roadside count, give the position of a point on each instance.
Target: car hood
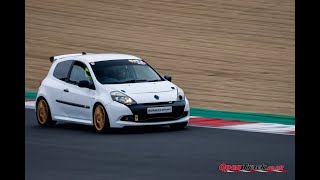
(144, 92)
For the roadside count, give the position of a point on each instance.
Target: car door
(78, 101)
(56, 86)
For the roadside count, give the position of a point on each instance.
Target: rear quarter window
(62, 69)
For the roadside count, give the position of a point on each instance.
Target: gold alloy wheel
(99, 118)
(42, 112)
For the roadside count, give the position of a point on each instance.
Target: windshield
(124, 71)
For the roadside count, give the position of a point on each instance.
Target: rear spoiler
(53, 58)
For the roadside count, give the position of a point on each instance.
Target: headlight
(122, 98)
(180, 95)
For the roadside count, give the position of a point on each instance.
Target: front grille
(140, 110)
(154, 118)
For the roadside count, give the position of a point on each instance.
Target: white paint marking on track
(263, 127)
(195, 117)
(241, 129)
(30, 105)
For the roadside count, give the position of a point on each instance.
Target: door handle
(66, 90)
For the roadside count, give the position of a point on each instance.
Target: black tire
(100, 119)
(43, 113)
(178, 126)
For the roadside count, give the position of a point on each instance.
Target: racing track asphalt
(70, 151)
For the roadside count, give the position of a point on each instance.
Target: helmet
(88, 73)
(121, 73)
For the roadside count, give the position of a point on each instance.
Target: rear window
(62, 69)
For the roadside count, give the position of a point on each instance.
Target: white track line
(264, 127)
(30, 105)
(240, 129)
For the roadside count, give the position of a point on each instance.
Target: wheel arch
(49, 121)
(41, 97)
(94, 107)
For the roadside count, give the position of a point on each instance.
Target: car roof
(90, 57)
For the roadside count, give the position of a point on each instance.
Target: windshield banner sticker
(137, 61)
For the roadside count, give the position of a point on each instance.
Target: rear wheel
(178, 126)
(43, 113)
(100, 119)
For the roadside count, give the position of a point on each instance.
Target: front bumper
(168, 121)
(136, 115)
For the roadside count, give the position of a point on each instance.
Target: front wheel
(100, 119)
(178, 126)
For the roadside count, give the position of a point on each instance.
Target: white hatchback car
(109, 91)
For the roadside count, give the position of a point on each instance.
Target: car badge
(156, 97)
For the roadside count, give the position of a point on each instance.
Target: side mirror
(84, 84)
(168, 78)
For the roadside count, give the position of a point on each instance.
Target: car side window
(79, 72)
(62, 69)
